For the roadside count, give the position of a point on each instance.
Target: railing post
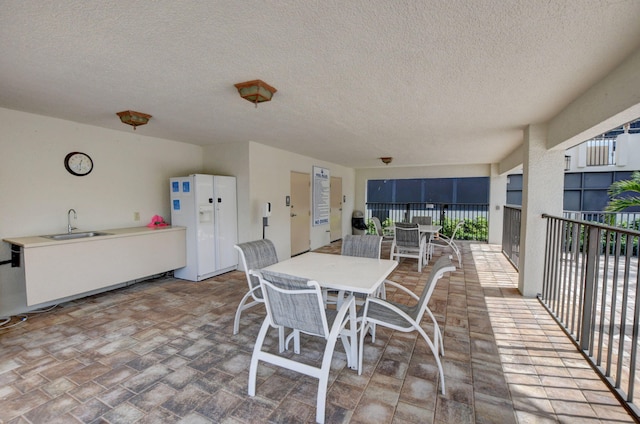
(589, 282)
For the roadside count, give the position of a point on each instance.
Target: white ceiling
(426, 82)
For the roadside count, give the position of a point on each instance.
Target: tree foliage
(618, 203)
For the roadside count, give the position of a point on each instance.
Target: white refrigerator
(206, 205)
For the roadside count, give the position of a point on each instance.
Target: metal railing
(590, 286)
(629, 220)
(601, 151)
(474, 215)
(511, 234)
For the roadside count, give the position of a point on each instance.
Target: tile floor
(162, 351)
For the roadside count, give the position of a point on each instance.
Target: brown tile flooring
(163, 351)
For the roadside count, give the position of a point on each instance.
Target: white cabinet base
(59, 269)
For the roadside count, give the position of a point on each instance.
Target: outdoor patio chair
(297, 303)
(422, 220)
(254, 255)
(405, 318)
(408, 243)
(384, 232)
(368, 246)
(444, 241)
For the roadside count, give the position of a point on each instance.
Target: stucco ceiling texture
(426, 82)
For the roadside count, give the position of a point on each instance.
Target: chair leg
(364, 327)
(253, 368)
(323, 377)
(281, 340)
(295, 335)
(435, 355)
(437, 334)
(242, 307)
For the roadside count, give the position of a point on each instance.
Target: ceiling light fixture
(133, 118)
(386, 160)
(256, 91)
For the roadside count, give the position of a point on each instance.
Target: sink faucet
(75, 216)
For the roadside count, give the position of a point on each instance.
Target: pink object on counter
(157, 221)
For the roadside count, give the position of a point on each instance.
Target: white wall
(269, 181)
(130, 175)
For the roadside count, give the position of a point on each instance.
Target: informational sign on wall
(321, 190)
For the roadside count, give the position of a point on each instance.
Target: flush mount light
(133, 118)
(386, 160)
(256, 91)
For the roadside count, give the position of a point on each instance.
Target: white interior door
(300, 212)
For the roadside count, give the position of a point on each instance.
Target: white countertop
(40, 241)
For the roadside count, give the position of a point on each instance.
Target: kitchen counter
(40, 241)
(58, 269)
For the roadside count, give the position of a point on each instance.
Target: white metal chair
(296, 303)
(384, 232)
(421, 220)
(407, 318)
(254, 255)
(408, 243)
(444, 241)
(368, 246)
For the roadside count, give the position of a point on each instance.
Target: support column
(497, 199)
(542, 192)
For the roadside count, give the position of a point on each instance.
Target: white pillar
(497, 199)
(542, 192)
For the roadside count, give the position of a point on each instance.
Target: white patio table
(429, 231)
(347, 274)
(337, 272)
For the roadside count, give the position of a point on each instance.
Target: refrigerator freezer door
(226, 222)
(206, 251)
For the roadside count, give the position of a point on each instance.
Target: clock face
(78, 163)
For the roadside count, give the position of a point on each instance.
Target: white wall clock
(78, 163)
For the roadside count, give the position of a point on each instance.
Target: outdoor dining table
(429, 231)
(338, 272)
(346, 274)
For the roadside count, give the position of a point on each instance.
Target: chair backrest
(407, 235)
(364, 246)
(256, 255)
(377, 224)
(294, 303)
(422, 220)
(455, 230)
(441, 266)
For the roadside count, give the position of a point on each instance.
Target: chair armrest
(406, 290)
(387, 305)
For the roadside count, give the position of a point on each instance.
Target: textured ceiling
(426, 82)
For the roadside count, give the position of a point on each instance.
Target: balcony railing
(511, 234)
(601, 151)
(628, 220)
(474, 215)
(590, 286)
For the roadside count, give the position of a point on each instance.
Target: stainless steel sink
(73, 236)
